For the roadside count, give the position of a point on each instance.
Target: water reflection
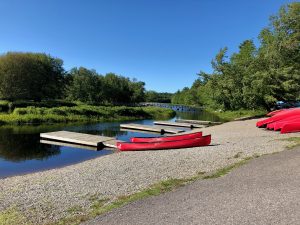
(21, 147)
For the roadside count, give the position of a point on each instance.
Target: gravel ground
(48, 196)
(240, 198)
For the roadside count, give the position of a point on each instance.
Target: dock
(176, 124)
(158, 129)
(79, 138)
(66, 144)
(201, 122)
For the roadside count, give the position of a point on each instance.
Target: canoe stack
(284, 120)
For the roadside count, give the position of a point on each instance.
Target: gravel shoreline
(48, 196)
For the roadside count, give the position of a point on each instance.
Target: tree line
(38, 76)
(254, 77)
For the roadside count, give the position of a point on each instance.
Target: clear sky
(162, 42)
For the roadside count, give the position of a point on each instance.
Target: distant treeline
(253, 77)
(38, 76)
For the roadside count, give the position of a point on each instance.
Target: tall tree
(30, 76)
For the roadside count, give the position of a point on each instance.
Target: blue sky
(162, 42)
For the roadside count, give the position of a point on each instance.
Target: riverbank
(81, 113)
(82, 189)
(238, 114)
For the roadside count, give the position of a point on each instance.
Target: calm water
(21, 151)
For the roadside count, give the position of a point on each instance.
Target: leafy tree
(138, 91)
(85, 86)
(30, 76)
(162, 97)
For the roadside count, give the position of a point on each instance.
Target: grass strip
(99, 206)
(81, 113)
(238, 114)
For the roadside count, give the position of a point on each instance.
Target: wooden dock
(59, 143)
(201, 122)
(175, 124)
(78, 138)
(157, 129)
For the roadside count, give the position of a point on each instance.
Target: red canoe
(282, 115)
(270, 126)
(187, 143)
(169, 138)
(275, 112)
(290, 128)
(279, 124)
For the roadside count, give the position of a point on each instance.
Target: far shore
(77, 190)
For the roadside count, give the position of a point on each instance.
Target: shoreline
(49, 196)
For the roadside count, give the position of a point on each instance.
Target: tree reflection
(21, 147)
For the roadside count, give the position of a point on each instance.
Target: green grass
(295, 141)
(227, 169)
(81, 113)
(12, 216)
(231, 115)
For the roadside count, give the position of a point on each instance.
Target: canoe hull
(282, 115)
(279, 124)
(187, 143)
(169, 138)
(290, 128)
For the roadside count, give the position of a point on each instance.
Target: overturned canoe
(282, 115)
(270, 126)
(292, 127)
(275, 112)
(187, 143)
(168, 138)
(279, 124)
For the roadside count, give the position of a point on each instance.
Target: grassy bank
(80, 113)
(238, 114)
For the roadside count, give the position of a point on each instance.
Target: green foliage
(153, 96)
(32, 76)
(81, 113)
(88, 86)
(253, 77)
(35, 77)
(4, 105)
(237, 114)
(84, 85)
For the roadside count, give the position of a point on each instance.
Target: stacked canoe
(188, 140)
(284, 120)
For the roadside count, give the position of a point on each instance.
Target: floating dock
(49, 142)
(157, 129)
(80, 138)
(201, 122)
(175, 124)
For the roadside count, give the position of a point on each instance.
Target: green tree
(85, 86)
(30, 76)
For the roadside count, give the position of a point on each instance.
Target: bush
(4, 106)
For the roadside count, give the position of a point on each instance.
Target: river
(21, 151)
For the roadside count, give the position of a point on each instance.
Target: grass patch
(12, 216)
(81, 113)
(227, 169)
(99, 206)
(295, 141)
(238, 114)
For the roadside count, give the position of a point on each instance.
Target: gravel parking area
(48, 196)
